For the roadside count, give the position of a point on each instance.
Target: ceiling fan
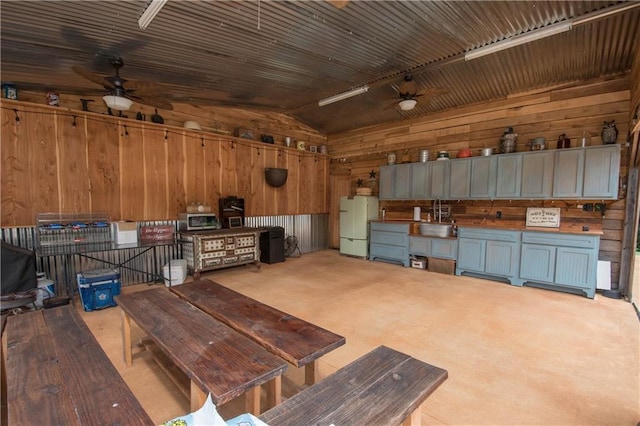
(408, 92)
(120, 98)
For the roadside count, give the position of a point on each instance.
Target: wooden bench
(215, 358)
(296, 341)
(383, 387)
(57, 374)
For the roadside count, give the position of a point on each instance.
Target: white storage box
(125, 232)
(175, 272)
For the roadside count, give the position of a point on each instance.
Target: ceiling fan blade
(153, 102)
(143, 86)
(93, 77)
(392, 105)
(432, 91)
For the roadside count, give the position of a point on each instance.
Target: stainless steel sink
(429, 229)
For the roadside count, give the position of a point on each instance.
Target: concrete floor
(515, 355)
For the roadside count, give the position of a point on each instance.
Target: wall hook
(74, 122)
(126, 131)
(17, 117)
(166, 135)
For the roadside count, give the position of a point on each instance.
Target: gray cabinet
(442, 248)
(560, 261)
(460, 178)
(601, 172)
(508, 176)
(483, 177)
(568, 173)
(490, 252)
(537, 174)
(395, 182)
(439, 179)
(420, 181)
(389, 242)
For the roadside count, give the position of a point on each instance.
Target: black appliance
(272, 244)
(231, 208)
(18, 269)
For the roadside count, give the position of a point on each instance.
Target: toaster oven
(197, 221)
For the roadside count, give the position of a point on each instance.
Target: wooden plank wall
(59, 160)
(569, 109)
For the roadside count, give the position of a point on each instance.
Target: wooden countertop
(513, 225)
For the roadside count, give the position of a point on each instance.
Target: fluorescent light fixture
(343, 96)
(407, 104)
(518, 40)
(152, 10)
(118, 103)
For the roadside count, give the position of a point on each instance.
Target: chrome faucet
(438, 212)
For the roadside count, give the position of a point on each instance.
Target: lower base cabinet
(560, 261)
(489, 252)
(389, 242)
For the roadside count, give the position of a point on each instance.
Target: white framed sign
(543, 217)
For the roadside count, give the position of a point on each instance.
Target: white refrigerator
(355, 214)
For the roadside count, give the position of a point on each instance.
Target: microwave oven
(197, 221)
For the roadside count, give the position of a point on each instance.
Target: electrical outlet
(587, 207)
(498, 214)
(599, 207)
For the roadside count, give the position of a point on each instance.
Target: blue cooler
(98, 287)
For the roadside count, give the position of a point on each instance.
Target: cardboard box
(419, 263)
(175, 272)
(125, 232)
(443, 266)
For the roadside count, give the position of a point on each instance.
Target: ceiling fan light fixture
(407, 104)
(119, 103)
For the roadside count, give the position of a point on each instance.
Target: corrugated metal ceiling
(286, 55)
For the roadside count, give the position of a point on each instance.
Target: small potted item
(442, 155)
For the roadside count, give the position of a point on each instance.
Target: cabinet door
(576, 267)
(419, 181)
(483, 177)
(459, 179)
(537, 175)
(420, 246)
(402, 182)
(601, 172)
(471, 254)
(568, 173)
(439, 179)
(537, 262)
(502, 258)
(385, 191)
(444, 248)
(509, 176)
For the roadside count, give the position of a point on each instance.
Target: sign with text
(547, 218)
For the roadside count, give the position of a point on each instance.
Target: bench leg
(197, 397)
(414, 418)
(311, 373)
(126, 338)
(252, 401)
(274, 392)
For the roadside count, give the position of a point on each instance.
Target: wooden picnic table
(216, 358)
(296, 341)
(383, 388)
(57, 374)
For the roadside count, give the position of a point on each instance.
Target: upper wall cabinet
(395, 182)
(590, 173)
(601, 172)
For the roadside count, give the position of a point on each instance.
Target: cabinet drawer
(390, 238)
(489, 234)
(563, 240)
(420, 246)
(444, 248)
(388, 252)
(402, 228)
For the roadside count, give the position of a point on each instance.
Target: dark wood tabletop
(295, 340)
(57, 374)
(216, 358)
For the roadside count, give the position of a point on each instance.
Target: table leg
(126, 338)
(252, 401)
(414, 418)
(274, 392)
(311, 373)
(197, 397)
